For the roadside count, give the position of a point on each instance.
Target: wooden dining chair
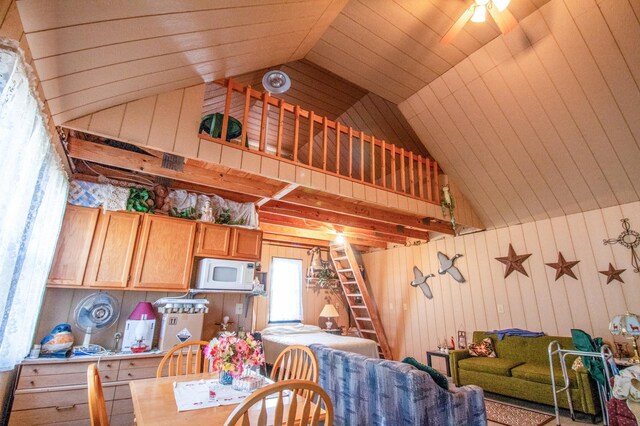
(97, 406)
(299, 402)
(296, 362)
(183, 359)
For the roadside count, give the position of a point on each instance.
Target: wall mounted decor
(448, 203)
(420, 280)
(629, 239)
(446, 265)
(613, 274)
(563, 267)
(513, 262)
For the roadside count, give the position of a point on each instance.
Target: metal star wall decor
(513, 262)
(613, 274)
(563, 267)
(629, 239)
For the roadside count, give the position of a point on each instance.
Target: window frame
(271, 300)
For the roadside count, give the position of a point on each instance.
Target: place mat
(194, 395)
(510, 415)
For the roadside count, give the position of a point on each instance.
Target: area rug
(510, 415)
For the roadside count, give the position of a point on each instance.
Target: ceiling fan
(477, 12)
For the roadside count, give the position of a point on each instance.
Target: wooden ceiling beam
(291, 240)
(305, 212)
(318, 235)
(198, 172)
(313, 198)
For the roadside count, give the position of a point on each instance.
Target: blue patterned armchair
(374, 392)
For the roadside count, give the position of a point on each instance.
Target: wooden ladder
(360, 301)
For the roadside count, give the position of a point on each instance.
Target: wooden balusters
(373, 160)
(412, 181)
(245, 117)
(420, 183)
(429, 182)
(296, 130)
(280, 129)
(263, 124)
(350, 152)
(311, 123)
(361, 156)
(384, 161)
(337, 147)
(227, 107)
(437, 184)
(403, 175)
(324, 143)
(393, 168)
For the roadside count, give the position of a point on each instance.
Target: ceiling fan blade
(505, 19)
(457, 26)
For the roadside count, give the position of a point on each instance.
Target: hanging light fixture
(479, 14)
(501, 5)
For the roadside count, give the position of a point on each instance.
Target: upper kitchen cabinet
(213, 240)
(112, 250)
(74, 244)
(246, 244)
(164, 255)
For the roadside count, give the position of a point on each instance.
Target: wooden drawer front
(29, 401)
(122, 420)
(213, 240)
(53, 380)
(122, 392)
(127, 364)
(137, 373)
(68, 415)
(63, 368)
(122, 406)
(247, 244)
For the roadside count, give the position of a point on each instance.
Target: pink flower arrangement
(232, 354)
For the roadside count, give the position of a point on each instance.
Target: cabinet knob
(35, 370)
(32, 383)
(106, 377)
(132, 364)
(108, 365)
(129, 374)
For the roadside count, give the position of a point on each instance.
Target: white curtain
(285, 294)
(33, 192)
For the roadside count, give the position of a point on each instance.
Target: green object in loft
(211, 124)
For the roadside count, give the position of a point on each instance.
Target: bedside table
(444, 355)
(335, 331)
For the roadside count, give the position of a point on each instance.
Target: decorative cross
(629, 239)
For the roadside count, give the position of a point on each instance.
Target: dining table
(154, 403)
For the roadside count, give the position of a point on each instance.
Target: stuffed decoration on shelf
(58, 343)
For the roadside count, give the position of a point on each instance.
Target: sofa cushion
(499, 366)
(540, 373)
(437, 377)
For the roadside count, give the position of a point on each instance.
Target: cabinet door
(213, 240)
(112, 250)
(246, 244)
(164, 254)
(74, 243)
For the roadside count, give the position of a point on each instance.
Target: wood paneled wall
(312, 303)
(544, 121)
(414, 324)
(59, 305)
(167, 122)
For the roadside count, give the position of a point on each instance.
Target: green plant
(189, 213)
(224, 218)
(141, 200)
(326, 277)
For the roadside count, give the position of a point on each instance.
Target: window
(285, 295)
(34, 192)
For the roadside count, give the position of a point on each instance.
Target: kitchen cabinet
(164, 254)
(246, 244)
(213, 240)
(112, 250)
(72, 252)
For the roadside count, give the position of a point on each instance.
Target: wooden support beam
(373, 160)
(280, 129)
(429, 183)
(212, 175)
(420, 183)
(436, 182)
(324, 143)
(394, 171)
(311, 122)
(313, 198)
(338, 148)
(293, 231)
(350, 152)
(384, 165)
(290, 240)
(245, 117)
(361, 156)
(412, 180)
(296, 131)
(263, 123)
(403, 177)
(278, 195)
(304, 212)
(225, 117)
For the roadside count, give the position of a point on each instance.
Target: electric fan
(95, 313)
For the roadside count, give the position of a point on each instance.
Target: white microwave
(225, 275)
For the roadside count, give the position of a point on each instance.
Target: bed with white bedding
(276, 338)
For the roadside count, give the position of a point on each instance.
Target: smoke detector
(276, 81)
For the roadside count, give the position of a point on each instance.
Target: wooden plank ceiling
(91, 55)
(393, 49)
(543, 122)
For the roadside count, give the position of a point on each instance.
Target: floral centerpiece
(231, 355)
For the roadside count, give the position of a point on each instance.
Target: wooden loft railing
(321, 144)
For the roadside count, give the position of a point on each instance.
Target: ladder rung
(353, 295)
(358, 306)
(349, 282)
(345, 270)
(340, 258)
(368, 331)
(363, 319)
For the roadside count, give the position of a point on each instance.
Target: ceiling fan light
(501, 5)
(479, 14)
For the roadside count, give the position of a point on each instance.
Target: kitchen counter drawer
(137, 373)
(68, 414)
(127, 364)
(53, 380)
(53, 399)
(122, 406)
(60, 368)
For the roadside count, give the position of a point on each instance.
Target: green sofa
(521, 370)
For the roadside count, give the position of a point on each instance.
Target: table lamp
(329, 311)
(627, 325)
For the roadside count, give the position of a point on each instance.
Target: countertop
(89, 358)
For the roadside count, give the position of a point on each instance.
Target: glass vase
(225, 378)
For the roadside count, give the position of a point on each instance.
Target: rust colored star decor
(513, 262)
(613, 274)
(563, 267)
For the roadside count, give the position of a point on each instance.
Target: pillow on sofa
(437, 377)
(484, 348)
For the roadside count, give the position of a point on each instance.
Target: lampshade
(143, 308)
(626, 324)
(329, 311)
